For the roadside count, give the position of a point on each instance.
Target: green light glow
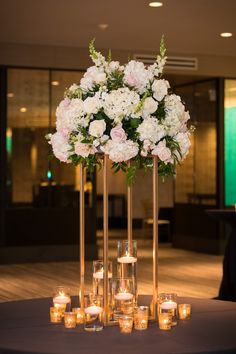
(49, 174)
(230, 156)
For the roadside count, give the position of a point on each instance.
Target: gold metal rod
(82, 228)
(130, 212)
(155, 235)
(105, 241)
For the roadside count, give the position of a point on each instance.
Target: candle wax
(127, 259)
(123, 296)
(93, 310)
(61, 299)
(168, 305)
(99, 275)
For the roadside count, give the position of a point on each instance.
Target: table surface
(25, 328)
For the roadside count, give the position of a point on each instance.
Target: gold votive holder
(79, 315)
(55, 315)
(184, 311)
(165, 321)
(167, 303)
(141, 317)
(70, 319)
(126, 324)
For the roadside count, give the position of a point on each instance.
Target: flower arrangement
(124, 111)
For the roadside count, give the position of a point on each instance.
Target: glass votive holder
(70, 319)
(141, 317)
(61, 298)
(93, 313)
(165, 321)
(126, 324)
(55, 315)
(167, 303)
(123, 297)
(184, 311)
(127, 252)
(79, 315)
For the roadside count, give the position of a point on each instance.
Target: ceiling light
(10, 94)
(55, 83)
(103, 26)
(155, 4)
(23, 109)
(226, 34)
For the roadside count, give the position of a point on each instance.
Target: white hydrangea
(151, 130)
(173, 104)
(184, 143)
(94, 75)
(69, 114)
(120, 103)
(60, 146)
(176, 117)
(160, 89)
(113, 66)
(121, 151)
(137, 76)
(74, 87)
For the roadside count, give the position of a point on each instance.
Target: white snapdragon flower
(94, 75)
(176, 117)
(69, 114)
(60, 146)
(97, 128)
(120, 103)
(160, 89)
(74, 87)
(92, 105)
(137, 76)
(121, 151)
(163, 152)
(149, 107)
(150, 129)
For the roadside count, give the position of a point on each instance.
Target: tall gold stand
(130, 212)
(130, 231)
(155, 234)
(105, 241)
(82, 223)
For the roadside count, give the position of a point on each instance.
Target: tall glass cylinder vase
(127, 263)
(98, 279)
(123, 297)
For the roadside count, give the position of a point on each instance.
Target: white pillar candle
(93, 310)
(127, 259)
(123, 296)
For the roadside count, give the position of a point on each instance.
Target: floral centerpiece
(124, 111)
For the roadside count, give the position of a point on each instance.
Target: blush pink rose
(84, 150)
(162, 152)
(118, 134)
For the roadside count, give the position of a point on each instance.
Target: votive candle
(184, 311)
(165, 321)
(70, 319)
(55, 315)
(141, 317)
(126, 324)
(79, 315)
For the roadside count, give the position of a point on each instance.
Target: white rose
(160, 89)
(92, 105)
(149, 106)
(97, 128)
